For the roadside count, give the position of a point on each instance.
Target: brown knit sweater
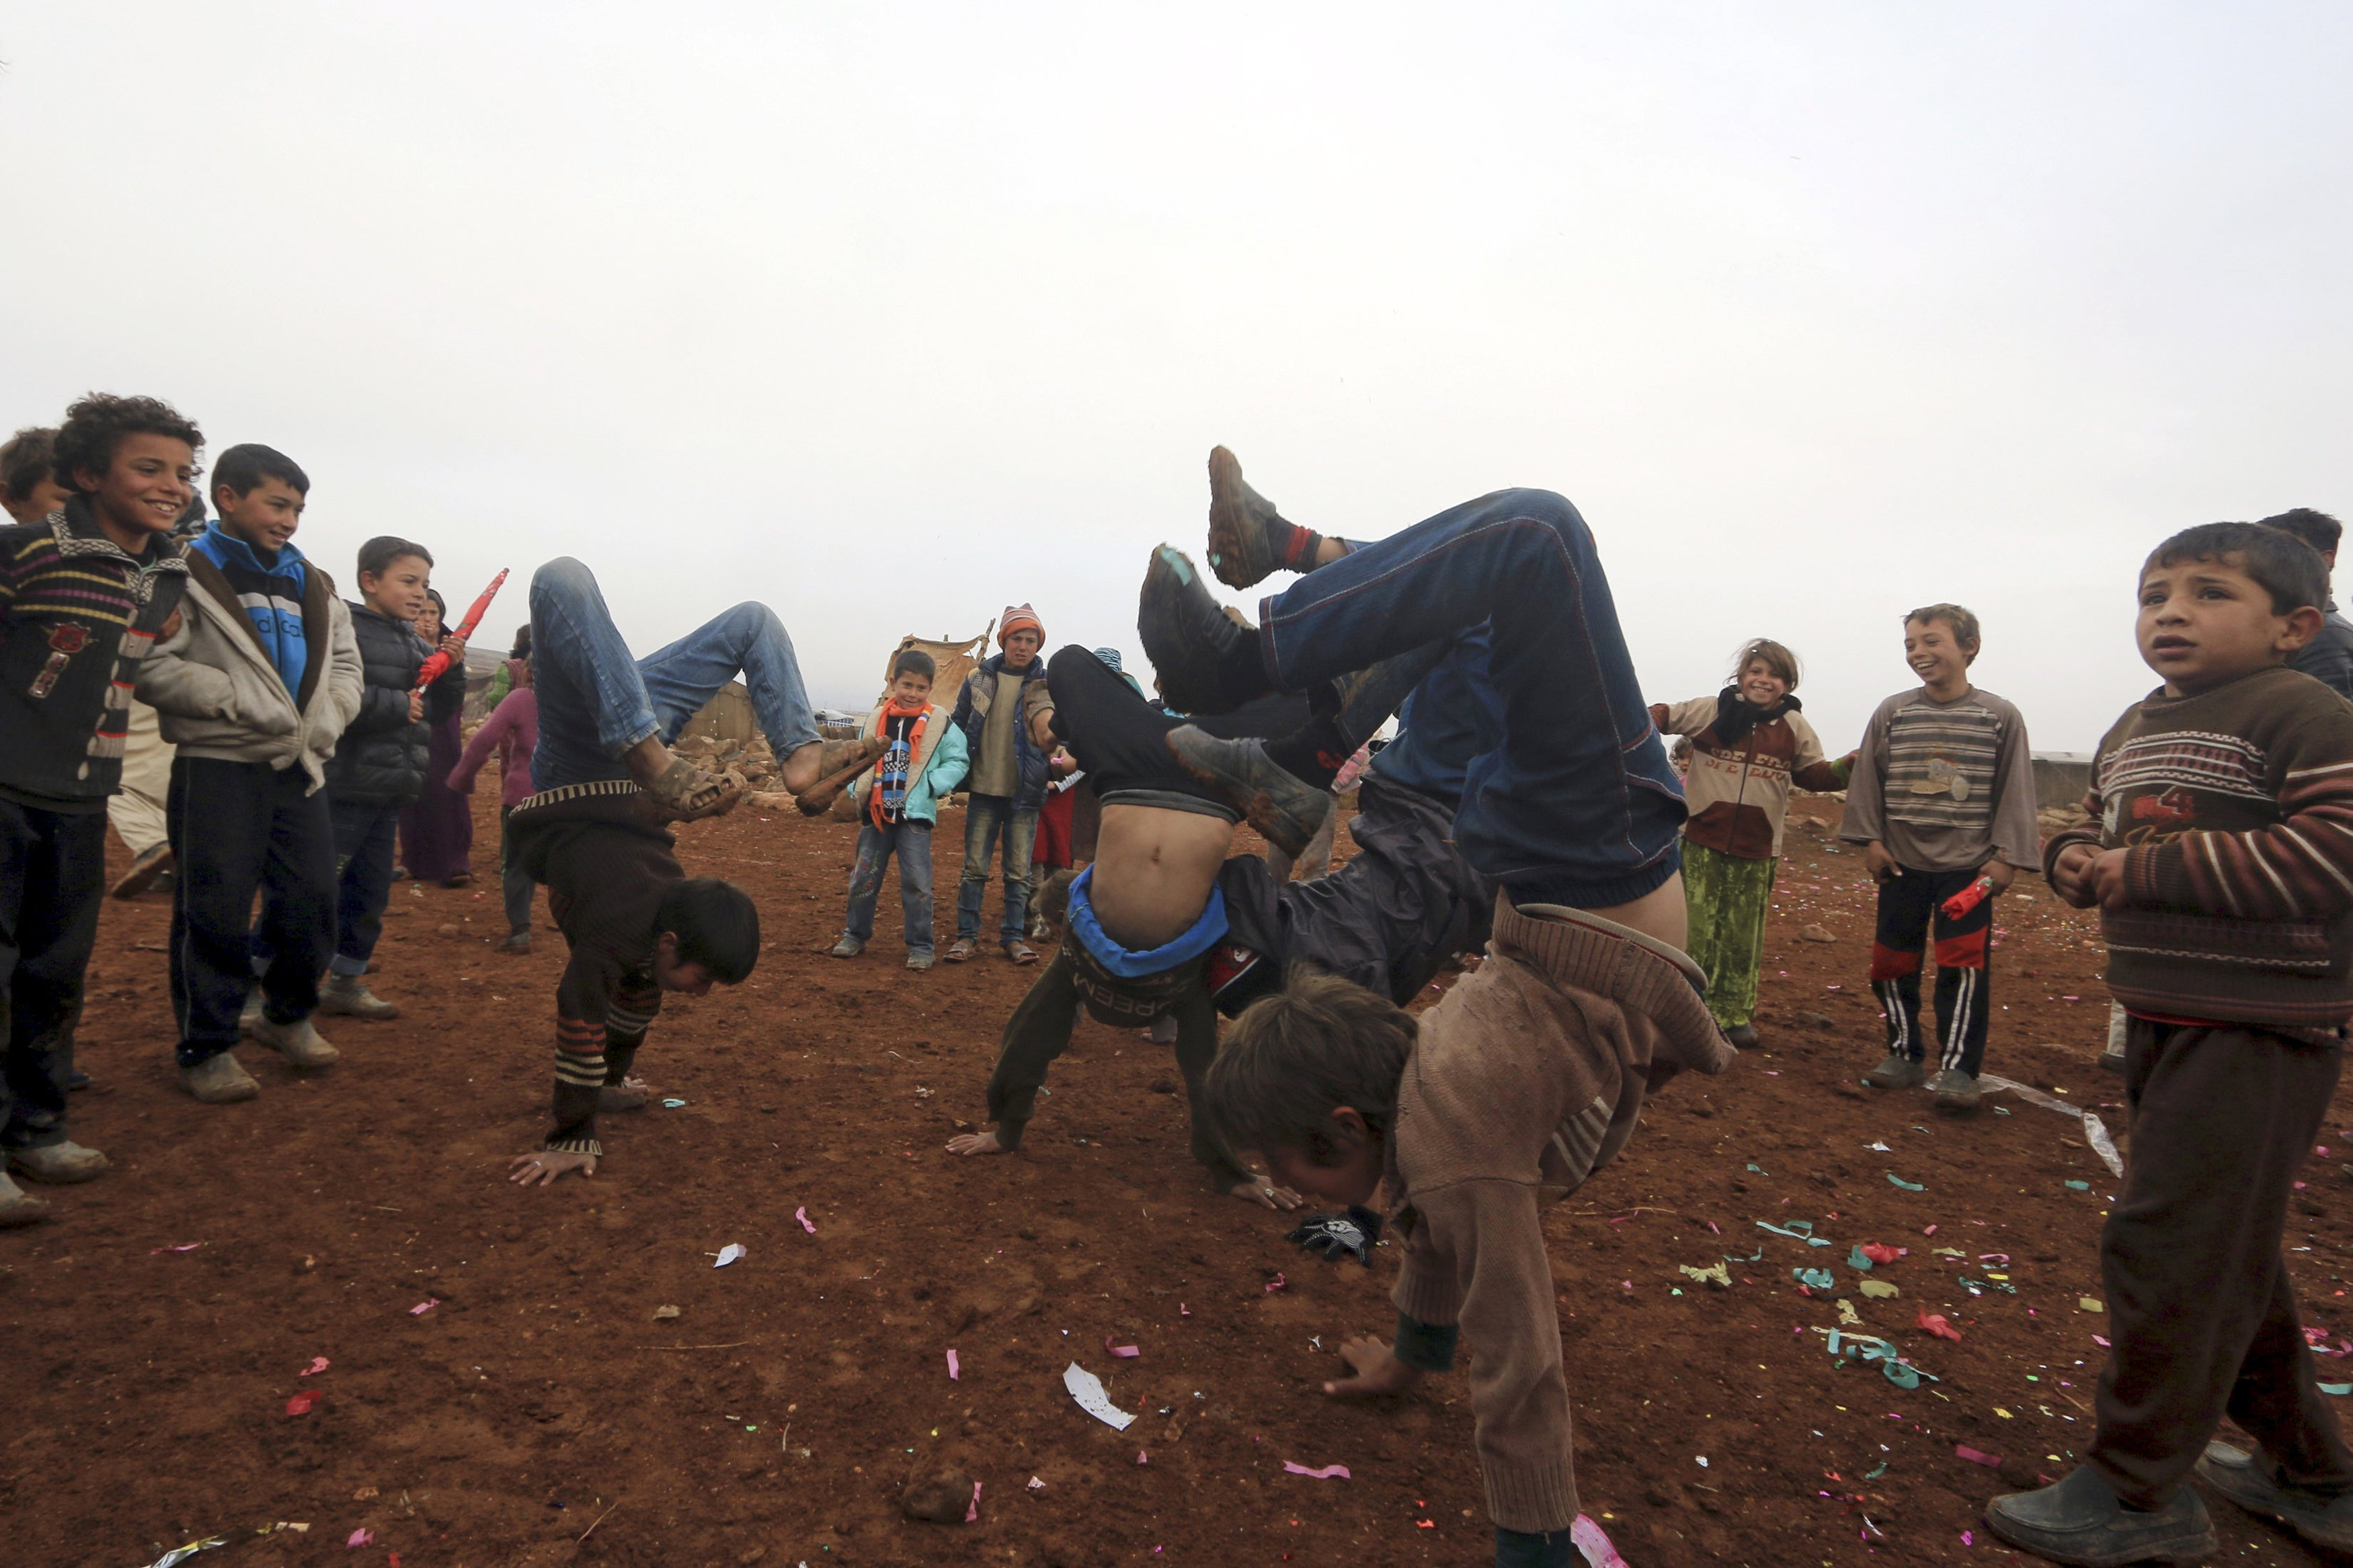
(1528, 1076)
(2236, 807)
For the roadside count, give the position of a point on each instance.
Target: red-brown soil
(776, 1419)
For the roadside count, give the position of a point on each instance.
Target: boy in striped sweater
(2222, 867)
(1941, 796)
(84, 594)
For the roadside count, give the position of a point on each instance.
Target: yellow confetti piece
(1879, 1289)
(2005, 1414)
(1848, 1316)
(2089, 1304)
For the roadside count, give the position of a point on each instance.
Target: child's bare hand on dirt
(1266, 1195)
(538, 1170)
(1376, 1370)
(976, 1144)
(2108, 877)
(2070, 876)
(1879, 862)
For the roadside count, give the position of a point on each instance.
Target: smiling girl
(1750, 746)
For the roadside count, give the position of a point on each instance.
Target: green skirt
(1728, 899)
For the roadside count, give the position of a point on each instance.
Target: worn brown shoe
(19, 1208)
(842, 762)
(1896, 1072)
(58, 1164)
(299, 1043)
(220, 1081)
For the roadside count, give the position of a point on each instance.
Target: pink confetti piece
(1125, 1352)
(807, 1224)
(1968, 1537)
(1929, 1231)
(2100, 1343)
(318, 1364)
(1277, 1283)
(1977, 1456)
(360, 1538)
(955, 1373)
(972, 1510)
(302, 1403)
(184, 1246)
(1183, 1310)
(1142, 1457)
(424, 1306)
(1328, 1473)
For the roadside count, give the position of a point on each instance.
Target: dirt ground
(539, 1412)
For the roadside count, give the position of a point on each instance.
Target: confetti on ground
(1907, 1187)
(955, 1373)
(1088, 1390)
(730, 1253)
(1328, 1473)
(807, 1223)
(424, 1306)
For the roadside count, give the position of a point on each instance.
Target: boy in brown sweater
(2222, 867)
(1530, 1073)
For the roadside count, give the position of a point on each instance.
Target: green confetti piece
(1907, 1187)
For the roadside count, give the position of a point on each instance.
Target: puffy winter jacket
(220, 693)
(971, 716)
(382, 758)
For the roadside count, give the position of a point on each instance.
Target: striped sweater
(77, 615)
(607, 866)
(2235, 806)
(1945, 786)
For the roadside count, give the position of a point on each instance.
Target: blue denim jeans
(912, 842)
(985, 816)
(596, 701)
(365, 832)
(1577, 804)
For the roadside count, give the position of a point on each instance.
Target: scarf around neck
(882, 800)
(1735, 716)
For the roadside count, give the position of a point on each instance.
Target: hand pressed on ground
(1266, 1195)
(538, 1170)
(976, 1144)
(1375, 1369)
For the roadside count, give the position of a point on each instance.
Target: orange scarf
(920, 710)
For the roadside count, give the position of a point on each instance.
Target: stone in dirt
(939, 1497)
(1816, 1021)
(1815, 933)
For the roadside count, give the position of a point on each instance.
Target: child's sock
(1296, 550)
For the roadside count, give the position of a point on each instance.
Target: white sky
(890, 314)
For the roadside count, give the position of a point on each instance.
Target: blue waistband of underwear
(1128, 964)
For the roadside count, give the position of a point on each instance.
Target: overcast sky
(889, 315)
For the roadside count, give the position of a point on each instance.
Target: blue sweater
(270, 589)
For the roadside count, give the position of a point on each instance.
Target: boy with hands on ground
(2222, 866)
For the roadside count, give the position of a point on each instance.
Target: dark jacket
(382, 757)
(76, 617)
(2328, 657)
(971, 716)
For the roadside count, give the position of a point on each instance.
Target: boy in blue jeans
(254, 693)
(1000, 711)
(605, 782)
(898, 804)
(1529, 1075)
(84, 594)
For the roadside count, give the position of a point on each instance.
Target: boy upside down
(637, 925)
(1529, 1075)
(1168, 922)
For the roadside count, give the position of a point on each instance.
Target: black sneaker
(1208, 661)
(2079, 1522)
(1248, 540)
(1284, 807)
(2254, 1482)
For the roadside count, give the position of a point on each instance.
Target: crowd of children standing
(309, 754)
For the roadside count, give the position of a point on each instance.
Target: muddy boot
(2254, 1483)
(848, 946)
(1208, 661)
(684, 792)
(343, 995)
(1956, 1091)
(518, 941)
(1284, 807)
(1248, 540)
(218, 1080)
(250, 1014)
(299, 1043)
(2079, 1522)
(19, 1208)
(1896, 1072)
(1743, 1037)
(151, 864)
(58, 1164)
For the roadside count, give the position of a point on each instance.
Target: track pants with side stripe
(1908, 906)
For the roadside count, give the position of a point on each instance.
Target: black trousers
(238, 829)
(2198, 1300)
(1908, 908)
(52, 876)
